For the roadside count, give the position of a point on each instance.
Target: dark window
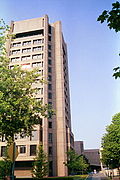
(49, 38)
(50, 151)
(49, 29)
(3, 149)
(49, 69)
(50, 168)
(50, 137)
(32, 150)
(26, 43)
(49, 47)
(49, 78)
(49, 54)
(22, 149)
(50, 124)
(49, 61)
(50, 103)
(50, 95)
(38, 41)
(50, 86)
(30, 33)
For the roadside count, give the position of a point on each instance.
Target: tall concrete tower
(40, 44)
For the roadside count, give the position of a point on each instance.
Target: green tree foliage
(76, 163)
(19, 110)
(5, 168)
(5, 165)
(112, 17)
(40, 166)
(113, 21)
(111, 144)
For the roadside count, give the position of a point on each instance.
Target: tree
(111, 144)
(112, 17)
(5, 165)
(19, 110)
(5, 168)
(76, 163)
(40, 166)
(113, 21)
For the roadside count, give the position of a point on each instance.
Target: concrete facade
(38, 44)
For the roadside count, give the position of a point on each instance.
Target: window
(41, 72)
(38, 48)
(49, 61)
(49, 47)
(32, 150)
(49, 38)
(49, 124)
(22, 149)
(49, 69)
(50, 86)
(49, 54)
(49, 29)
(50, 95)
(26, 50)
(50, 150)
(40, 90)
(11, 67)
(16, 44)
(50, 168)
(26, 66)
(49, 78)
(3, 148)
(38, 41)
(41, 135)
(30, 33)
(15, 59)
(16, 51)
(34, 136)
(22, 135)
(25, 58)
(39, 99)
(37, 64)
(3, 138)
(37, 56)
(25, 43)
(50, 137)
(50, 103)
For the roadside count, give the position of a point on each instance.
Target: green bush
(5, 168)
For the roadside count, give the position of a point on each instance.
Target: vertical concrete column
(60, 104)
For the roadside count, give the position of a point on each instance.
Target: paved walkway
(98, 176)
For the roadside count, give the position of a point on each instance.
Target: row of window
(27, 50)
(26, 43)
(24, 58)
(21, 150)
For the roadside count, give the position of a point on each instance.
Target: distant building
(92, 155)
(79, 147)
(39, 44)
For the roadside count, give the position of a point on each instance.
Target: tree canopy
(76, 163)
(19, 109)
(111, 143)
(112, 18)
